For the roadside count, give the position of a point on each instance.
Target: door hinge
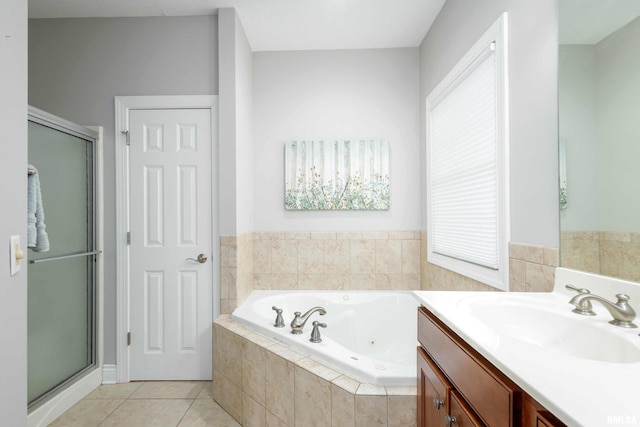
(128, 237)
(126, 135)
(128, 338)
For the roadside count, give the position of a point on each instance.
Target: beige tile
(253, 413)
(87, 413)
(206, 392)
(551, 256)
(371, 411)
(204, 413)
(285, 352)
(323, 235)
(402, 390)
(310, 281)
(310, 256)
(228, 396)
(232, 357)
(284, 281)
(615, 236)
(228, 240)
(271, 235)
(371, 390)
(539, 278)
(362, 256)
(410, 256)
(280, 381)
(517, 278)
(362, 282)
(375, 235)
(411, 282)
(114, 391)
(253, 371)
(284, 256)
(629, 267)
(526, 252)
(168, 390)
(336, 282)
(388, 281)
(262, 256)
(273, 421)
(388, 256)
(317, 369)
(346, 383)
(312, 400)
(342, 407)
(404, 235)
(294, 235)
(263, 281)
(148, 413)
(224, 256)
(228, 280)
(350, 235)
(336, 256)
(402, 411)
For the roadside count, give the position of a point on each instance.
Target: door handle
(202, 258)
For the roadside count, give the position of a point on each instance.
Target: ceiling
(280, 24)
(590, 21)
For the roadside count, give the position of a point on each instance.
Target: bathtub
(370, 335)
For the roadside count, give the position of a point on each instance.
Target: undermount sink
(565, 333)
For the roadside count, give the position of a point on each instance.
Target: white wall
(78, 66)
(532, 98)
(13, 193)
(577, 113)
(345, 94)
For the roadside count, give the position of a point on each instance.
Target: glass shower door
(61, 281)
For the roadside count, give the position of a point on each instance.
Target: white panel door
(171, 221)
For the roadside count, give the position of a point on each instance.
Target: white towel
(36, 235)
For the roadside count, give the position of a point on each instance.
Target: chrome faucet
(621, 311)
(297, 324)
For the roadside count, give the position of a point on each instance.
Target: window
(467, 164)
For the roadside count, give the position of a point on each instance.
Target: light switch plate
(14, 257)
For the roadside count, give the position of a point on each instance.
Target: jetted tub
(370, 336)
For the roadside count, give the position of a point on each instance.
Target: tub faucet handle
(315, 333)
(279, 320)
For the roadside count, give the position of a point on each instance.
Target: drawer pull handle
(449, 420)
(437, 403)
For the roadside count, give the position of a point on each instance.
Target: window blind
(464, 167)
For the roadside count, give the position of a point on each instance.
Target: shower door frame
(53, 403)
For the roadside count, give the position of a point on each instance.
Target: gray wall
(236, 125)
(78, 66)
(532, 97)
(13, 210)
(337, 94)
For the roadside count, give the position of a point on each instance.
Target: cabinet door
(460, 415)
(433, 393)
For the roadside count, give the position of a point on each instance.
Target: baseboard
(58, 405)
(109, 374)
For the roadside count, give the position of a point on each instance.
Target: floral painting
(336, 175)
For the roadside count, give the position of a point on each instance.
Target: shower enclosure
(62, 281)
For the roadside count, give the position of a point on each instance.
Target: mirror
(599, 141)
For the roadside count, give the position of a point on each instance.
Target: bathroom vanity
(525, 359)
(458, 386)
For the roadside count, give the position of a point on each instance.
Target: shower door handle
(202, 258)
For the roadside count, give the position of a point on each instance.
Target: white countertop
(579, 391)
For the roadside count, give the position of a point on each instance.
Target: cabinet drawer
(464, 417)
(489, 395)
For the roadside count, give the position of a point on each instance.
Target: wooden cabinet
(458, 387)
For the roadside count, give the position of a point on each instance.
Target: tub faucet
(297, 324)
(621, 311)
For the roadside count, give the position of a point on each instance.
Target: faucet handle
(622, 298)
(315, 333)
(279, 320)
(578, 290)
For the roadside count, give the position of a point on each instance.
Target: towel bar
(31, 171)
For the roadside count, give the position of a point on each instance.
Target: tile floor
(152, 403)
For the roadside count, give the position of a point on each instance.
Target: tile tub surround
(362, 260)
(613, 254)
(261, 382)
